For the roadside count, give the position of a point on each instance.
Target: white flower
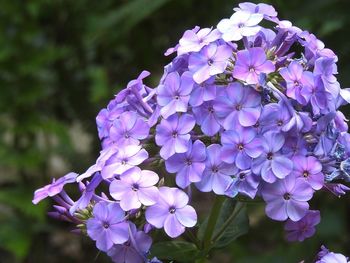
(240, 24)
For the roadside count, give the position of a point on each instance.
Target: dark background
(61, 61)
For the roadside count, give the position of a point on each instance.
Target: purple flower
(172, 212)
(134, 250)
(87, 193)
(274, 117)
(210, 61)
(326, 256)
(128, 129)
(314, 92)
(126, 158)
(54, 188)
(293, 75)
(264, 9)
(310, 169)
(240, 147)
(272, 164)
(241, 24)
(287, 198)
(217, 175)
(207, 118)
(107, 226)
(325, 68)
(240, 104)
(246, 183)
(174, 94)
(173, 134)
(105, 154)
(188, 166)
(134, 188)
(205, 91)
(133, 86)
(304, 228)
(194, 40)
(250, 64)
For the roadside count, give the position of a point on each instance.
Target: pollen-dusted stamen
(306, 174)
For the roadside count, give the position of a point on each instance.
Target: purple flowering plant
(238, 114)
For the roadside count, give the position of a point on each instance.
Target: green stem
(214, 215)
(238, 208)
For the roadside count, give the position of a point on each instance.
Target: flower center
(240, 146)
(127, 135)
(172, 210)
(241, 176)
(135, 187)
(251, 69)
(296, 83)
(174, 134)
(214, 169)
(306, 174)
(124, 161)
(189, 162)
(286, 196)
(211, 110)
(210, 62)
(279, 123)
(177, 97)
(269, 156)
(106, 225)
(238, 107)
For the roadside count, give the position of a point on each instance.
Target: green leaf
(237, 227)
(175, 250)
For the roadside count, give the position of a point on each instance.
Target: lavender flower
(211, 60)
(173, 95)
(241, 105)
(287, 198)
(172, 212)
(293, 75)
(134, 188)
(217, 175)
(250, 64)
(126, 158)
(207, 118)
(188, 166)
(240, 147)
(134, 250)
(54, 188)
(107, 226)
(128, 129)
(173, 134)
(272, 164)
(246, 183)
(194, 40)
(205, 91)
(304, 228)
(241, 24)
(310, 169)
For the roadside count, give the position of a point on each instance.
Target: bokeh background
(63, 60)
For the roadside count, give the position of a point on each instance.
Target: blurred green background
(63, 60)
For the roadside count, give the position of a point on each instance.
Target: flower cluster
(242, 109)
